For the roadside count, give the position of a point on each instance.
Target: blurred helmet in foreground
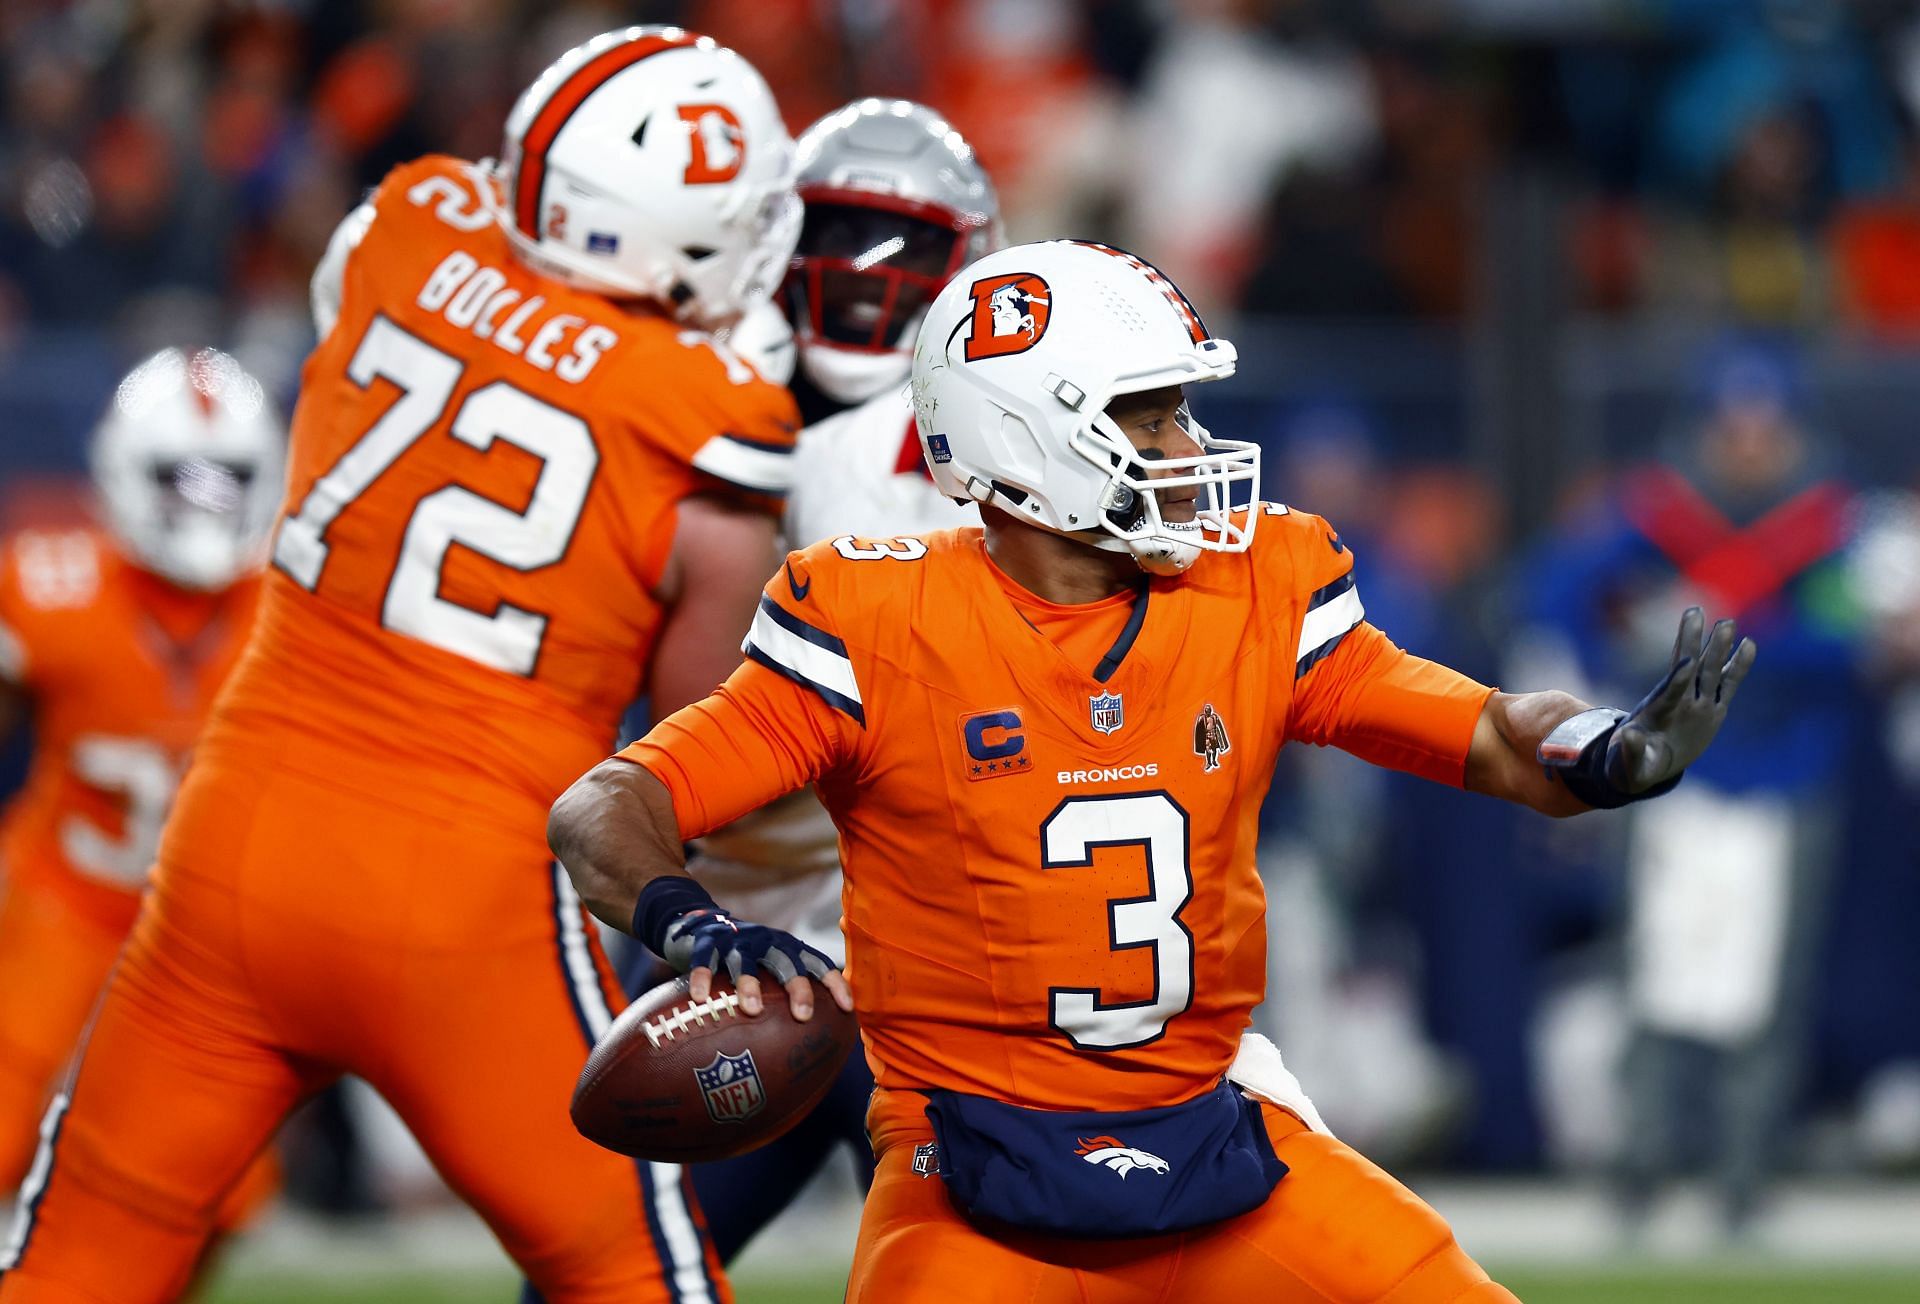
(895, 205)
(1019, 357)
(189, 464)
(653, 163)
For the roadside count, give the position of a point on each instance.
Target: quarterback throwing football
(1045, 744)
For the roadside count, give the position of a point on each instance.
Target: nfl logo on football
(1108, 712)
(731, 1085)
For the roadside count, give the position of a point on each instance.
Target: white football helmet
(653, 163)
(895, 205)
(1016, 363)
(189, 463)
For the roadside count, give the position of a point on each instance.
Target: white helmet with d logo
(1015, 366)
(653, 163)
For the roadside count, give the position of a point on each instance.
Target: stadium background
(1483, 259)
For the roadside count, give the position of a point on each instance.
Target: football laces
(667, 1026)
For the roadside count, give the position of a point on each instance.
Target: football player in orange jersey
(896, 203)
(1046, 768)
(527, 483)
(118, 638)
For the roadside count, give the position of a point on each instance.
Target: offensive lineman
(526, 482)
(1055, 928)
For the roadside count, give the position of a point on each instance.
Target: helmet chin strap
(1126, 508)
(1156, 554)
(1163, 556)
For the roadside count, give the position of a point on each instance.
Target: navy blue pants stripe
(21, 1235)
(581, 978)
(569, 936)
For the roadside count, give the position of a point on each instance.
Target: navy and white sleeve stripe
(1332, 612)
(810, 657)
(751, 464)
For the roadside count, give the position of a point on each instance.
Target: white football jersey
(860, 472)
(857, 472)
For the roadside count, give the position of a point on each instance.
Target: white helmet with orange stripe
(188, 463)
(653, 163)
(1017, 360)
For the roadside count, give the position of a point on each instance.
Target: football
(685, 1082)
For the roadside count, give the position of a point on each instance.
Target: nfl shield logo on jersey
(1108, 712)
(732, 1087)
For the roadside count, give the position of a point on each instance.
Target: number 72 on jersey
(509, 638)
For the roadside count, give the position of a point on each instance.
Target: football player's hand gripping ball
(711, 939)
(688, 929)
(1673, 724)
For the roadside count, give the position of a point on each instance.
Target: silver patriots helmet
(896, 203)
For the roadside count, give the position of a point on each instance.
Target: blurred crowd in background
(1566, 312)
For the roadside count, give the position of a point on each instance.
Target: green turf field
(1646, 1285)
(1703, 1286)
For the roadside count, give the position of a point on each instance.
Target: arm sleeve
(758, 737)
(1385, 705)
(329, 278)
(1354, 689)
(736, 430)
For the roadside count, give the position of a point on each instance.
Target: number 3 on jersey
(508, 639)
(1067, 840)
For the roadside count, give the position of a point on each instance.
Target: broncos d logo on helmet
(1009, 315)
(1108, 1152)
(719, 144)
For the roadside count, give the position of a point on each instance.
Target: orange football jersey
(1051, 896)
(121, 668)
(485, 469)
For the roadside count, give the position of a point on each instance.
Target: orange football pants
(296, 932)
(54, 958)
(1337, 1230)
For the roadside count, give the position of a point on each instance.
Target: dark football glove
(1674, 723)
(714, 940)
(1608, 757)
(685, 927)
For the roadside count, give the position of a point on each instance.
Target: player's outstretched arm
(1552, 752)
(1506, 742)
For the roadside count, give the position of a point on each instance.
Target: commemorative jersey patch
(996, 744)
(1210, 740)
(731, 1086)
